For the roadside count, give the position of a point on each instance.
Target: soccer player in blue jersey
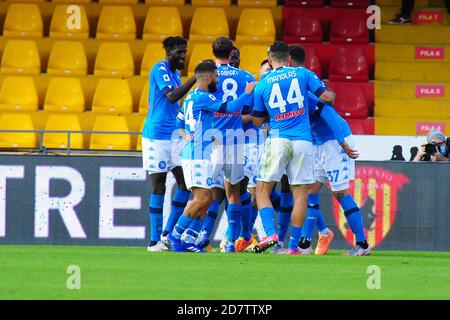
(196, 118)
(280, 97)
(334, 156)
(161, 144)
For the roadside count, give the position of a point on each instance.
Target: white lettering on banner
(11, 172)
(109, 202)
(44, 203)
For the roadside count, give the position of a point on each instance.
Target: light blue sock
(156, 217)
(312, 212)
(354, 217)
(179, 202)
(182, 224)
(191, 233)
(246, 226)
(284, 214)
(211, 215)
(296, 233)
(234, 215)
(268, 221)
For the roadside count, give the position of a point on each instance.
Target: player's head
(222, 48)
(297, 54)
(206, 75)
(176, 49)
(264, 67)
(235, 59)
(279, 54)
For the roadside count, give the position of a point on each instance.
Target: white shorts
(197, 173)
(295, 157)
(227, 163)
(332, 164)
(161, 155)
(251, 162)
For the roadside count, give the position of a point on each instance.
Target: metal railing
(43, 150)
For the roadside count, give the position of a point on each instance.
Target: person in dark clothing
(407, 8)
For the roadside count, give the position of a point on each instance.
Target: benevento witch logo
(375, 190)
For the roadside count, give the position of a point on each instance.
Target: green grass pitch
(40, 272)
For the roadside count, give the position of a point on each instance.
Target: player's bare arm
(178, 93)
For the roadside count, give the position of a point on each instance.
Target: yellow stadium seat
(116, 23)
(67, 122)
(114, 59)
(110, 141)
(23, 20)
(118, 1)
(412, 71)
(73, 1)
(64, 95)
(67, 58)
(201, 51)
(214, 3)
(17, 121)
(162, 22)
(204, 28)
(257, 3)
(18, 94)
(154, 53)
(412, 108)
(66, 25)
(414, 34)
(25, 1)
(251, 58)
(112, 96)
(139, 140)
(173, 3)
(20, 57)
(404, 126)
(256, 25)
(143, 102)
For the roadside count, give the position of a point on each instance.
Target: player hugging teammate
(214, 146)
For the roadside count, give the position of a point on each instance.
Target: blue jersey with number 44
(282, 96)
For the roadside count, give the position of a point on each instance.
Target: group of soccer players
(233, 139)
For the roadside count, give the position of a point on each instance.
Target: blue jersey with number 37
(282, 95)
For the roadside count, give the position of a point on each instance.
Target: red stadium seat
(304, 3)
(362, 126)
(349, 26)
(303, 27)
(312, 62)
(351, 101)
(349, 64)
(350, 3)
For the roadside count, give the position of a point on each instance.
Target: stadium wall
(103, 201)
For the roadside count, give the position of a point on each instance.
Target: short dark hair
(222, 47)
(171, 42)
(264, 62)
(235, 49)
(279, 51)
(298, 54)
(205, 67)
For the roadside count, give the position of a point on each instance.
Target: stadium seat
(350, 100)
(213, 3)
(112, 96)
(153, 53)
(362, 126)
(312, 62)
(174, 3)
(257, 3)
(73, 1)
(61, 29)
(118, 1)
(20, 57)
(203, 28)
(349, 64)
(18, 94)
(304, 3)
(114, 59)
(67, 122)
(116, 23)
(139, 140)
(201, 51)
(64, 95)
(251, 58)
(17, 121)
(23, 20)
(350, 3)
(67, 58)
(303, 27)
(143, 102)
(162, 22)
(349, 27)
(256, 26)
(110, 141)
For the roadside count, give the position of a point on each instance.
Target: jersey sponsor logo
(428, 16)
(227, 115)
(430, 91)
(290, 114)
(375, 191)
(425, 127)
(430, 53)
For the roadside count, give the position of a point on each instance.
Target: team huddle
(233, 139)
